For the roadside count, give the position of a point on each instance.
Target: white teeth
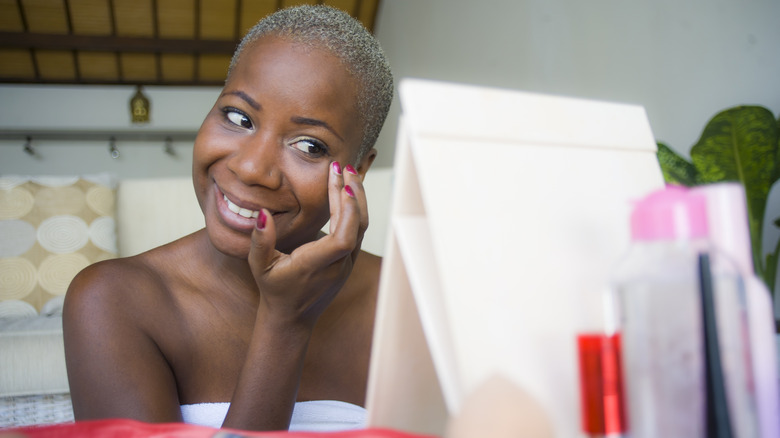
(240, 211)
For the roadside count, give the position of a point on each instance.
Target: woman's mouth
(239, 217)
(239, 210)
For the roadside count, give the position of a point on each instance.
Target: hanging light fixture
(112, 149)
(28, 147)
(169, 147)
(139, 107)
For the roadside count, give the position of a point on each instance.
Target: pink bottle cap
(670, 214)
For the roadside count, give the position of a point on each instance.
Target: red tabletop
(121, 428)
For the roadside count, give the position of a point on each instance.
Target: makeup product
(729, 233)
(660, 319)
(718, 417)
(601, 385)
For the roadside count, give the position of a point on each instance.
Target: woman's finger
(353, 180)
(262, 252)
(344, 230)
(345, 233)
(335, 184)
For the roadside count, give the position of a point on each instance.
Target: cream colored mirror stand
(510, 211)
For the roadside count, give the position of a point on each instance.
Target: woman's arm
(115, 369)
(295, 289)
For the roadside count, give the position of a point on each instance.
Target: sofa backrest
(154, 211)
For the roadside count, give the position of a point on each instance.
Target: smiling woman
(242, 322)
(254, 150)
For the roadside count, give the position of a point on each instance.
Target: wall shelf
(118, 135)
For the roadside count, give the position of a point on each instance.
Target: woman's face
(286, 112)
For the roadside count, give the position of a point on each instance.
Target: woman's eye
(310, 146)
(238, 118)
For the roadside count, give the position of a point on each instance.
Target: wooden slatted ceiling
(148, 42)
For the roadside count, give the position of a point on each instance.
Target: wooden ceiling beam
(237, 26)
(92, 81)
(158, 74)
(356, 11)
(112, 17)
(74, 52)
(22, 15)
(68, 15)
(196, 19)
(19, 40)
(25, 28)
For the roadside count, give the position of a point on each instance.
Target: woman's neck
(234, 268)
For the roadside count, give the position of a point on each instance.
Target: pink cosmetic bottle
(666, 354)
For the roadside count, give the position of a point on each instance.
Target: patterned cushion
(50, 229)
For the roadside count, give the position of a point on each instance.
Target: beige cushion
(155, 211)
(50, 229)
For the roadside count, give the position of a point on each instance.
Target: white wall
(103, 108)
(684, 61)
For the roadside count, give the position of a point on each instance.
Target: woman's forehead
(309, 79)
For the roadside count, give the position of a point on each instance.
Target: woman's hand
(296, 288)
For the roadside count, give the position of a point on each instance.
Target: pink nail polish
(349, 191)
(261, 220)
(350, 169)
(337, 168)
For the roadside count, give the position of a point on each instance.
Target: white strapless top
(309, 416)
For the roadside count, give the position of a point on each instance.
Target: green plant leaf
(770, 274)
(676, 169)
(777, 157)
(741, 144)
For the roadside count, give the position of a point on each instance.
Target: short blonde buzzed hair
(325, 27)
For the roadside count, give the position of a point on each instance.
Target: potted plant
(738, 144)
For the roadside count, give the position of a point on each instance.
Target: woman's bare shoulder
(128, 283)
(365, 273)
(360, 291)
(112, 327)
(110, 290)
(114, 276)
(369, 261)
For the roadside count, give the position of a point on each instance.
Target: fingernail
(261, 220)
(349, 191)
(337, 168)
(350, 169)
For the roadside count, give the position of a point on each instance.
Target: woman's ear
(366, 162)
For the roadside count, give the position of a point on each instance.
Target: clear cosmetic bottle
(666, 357)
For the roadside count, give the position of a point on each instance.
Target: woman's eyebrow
(314, 122)
(245, 97)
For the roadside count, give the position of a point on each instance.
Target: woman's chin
(229, 242)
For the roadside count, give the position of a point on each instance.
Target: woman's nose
(256, 160)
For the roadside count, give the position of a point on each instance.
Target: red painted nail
(261, 220)
(349, 191)
(337, 168)
(350, 169)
